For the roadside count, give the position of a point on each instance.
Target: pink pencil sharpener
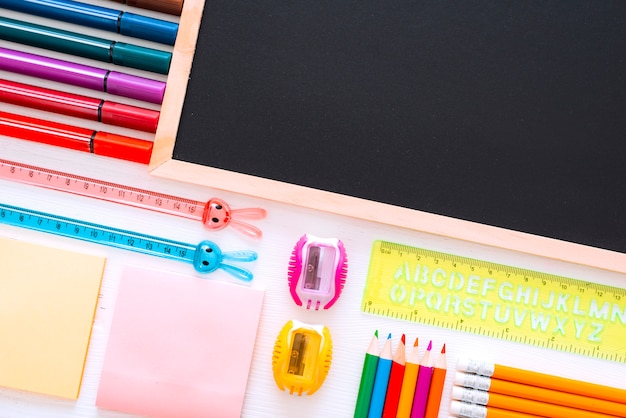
(317, 271)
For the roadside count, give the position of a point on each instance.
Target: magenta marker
(93, 78)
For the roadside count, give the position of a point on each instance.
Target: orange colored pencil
(542, 380)
(540, 394)
(436, 386)
(395, 380)
(470, 410)
(526, 406)
(411, 370)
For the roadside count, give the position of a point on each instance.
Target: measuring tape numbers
(495, 300)
(206, 257)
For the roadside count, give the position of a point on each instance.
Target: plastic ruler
(206, 257)
(215, 214)
(496, 300)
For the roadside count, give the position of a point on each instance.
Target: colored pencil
(97, 17)
(73, 137)
(113, 82)
(379, 391)
(539, 394)
(511, 374)
(173, 7)
(470, 410)
(526, 406)
(436, 387)
(367, 379)
(91, 108)
(86, 46)
(395, 380)
(423, 384)
(411, 370)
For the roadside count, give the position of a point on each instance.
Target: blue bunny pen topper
(317, 271)
(209, 257)
(206, 257)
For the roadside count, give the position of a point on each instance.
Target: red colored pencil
(395, 380)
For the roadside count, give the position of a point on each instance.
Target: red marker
(73, 137)
(69, 104)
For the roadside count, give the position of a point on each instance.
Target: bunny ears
(217, 215)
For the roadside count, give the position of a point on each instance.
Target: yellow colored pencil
(526, 406)
(540, 394)
(411, 369)
(527, 377)
(470, 410)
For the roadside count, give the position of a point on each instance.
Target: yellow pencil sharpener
(302, 357)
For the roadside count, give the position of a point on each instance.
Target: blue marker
(379, 392)
(97, 17)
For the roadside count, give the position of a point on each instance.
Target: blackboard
(506, 113)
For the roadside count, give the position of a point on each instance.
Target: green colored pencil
(367, 379)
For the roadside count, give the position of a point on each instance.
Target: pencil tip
(389, 336)
(403, 339)
(443, 349)
(416, 343)
(430, 346)
(376, 333)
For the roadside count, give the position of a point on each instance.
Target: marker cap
(135, 87)
(143, 27)
(122, 147)
(148, 59)
(132, 117)
(173, 7)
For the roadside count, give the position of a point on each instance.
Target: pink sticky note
(180, 346)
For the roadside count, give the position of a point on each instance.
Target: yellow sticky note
(48, 299)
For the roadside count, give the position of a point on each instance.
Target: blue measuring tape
(206, 257)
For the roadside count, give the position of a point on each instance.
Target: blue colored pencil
(379, 392)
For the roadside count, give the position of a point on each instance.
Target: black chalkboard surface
(506, 113)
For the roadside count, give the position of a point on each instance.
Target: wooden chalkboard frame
(163, 165)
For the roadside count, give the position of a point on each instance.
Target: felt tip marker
(96, 17)
(172, 7)
(86, 46)
(91, 108)
(76, 138)
(113, 82)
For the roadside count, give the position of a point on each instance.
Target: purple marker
(113, 82)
